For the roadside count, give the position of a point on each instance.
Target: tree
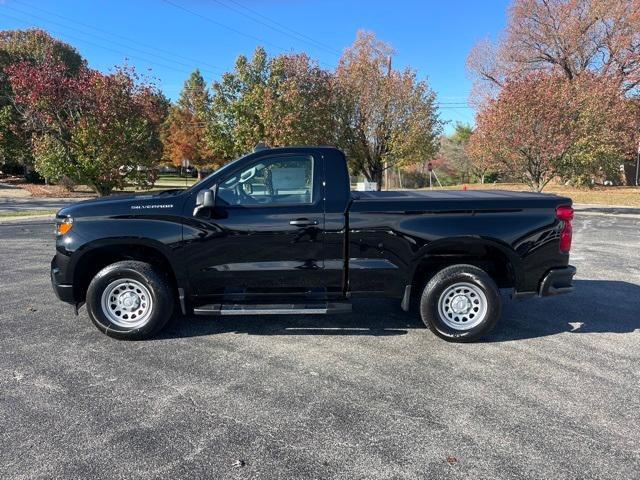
(386, 118)
(15, 147)
(97, 129)
(606, 125)
(543, 126)
(285, 100)
(575, 40)
(37, 48)
(184, 131)
(481, 152)
(566, 37)
(297, 107)
(453, 153)
(235, 124)
(526, 130)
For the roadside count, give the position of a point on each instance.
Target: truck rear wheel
(130, 300)
(461, 303)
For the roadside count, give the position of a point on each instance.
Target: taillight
(565, 215)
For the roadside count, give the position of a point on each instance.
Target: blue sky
(172, 37)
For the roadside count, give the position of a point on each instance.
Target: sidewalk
(17, 200)
(22, 204)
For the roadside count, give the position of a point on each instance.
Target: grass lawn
(26, 213)
(623, 196)
(165, 182)
(175, 180)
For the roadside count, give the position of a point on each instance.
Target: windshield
(217, 172)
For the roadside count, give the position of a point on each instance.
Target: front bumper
(62, 290)
(557, 281)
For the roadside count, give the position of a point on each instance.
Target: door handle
(303, 222)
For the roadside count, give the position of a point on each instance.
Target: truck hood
(168, 201)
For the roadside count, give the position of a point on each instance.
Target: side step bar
(315, 308)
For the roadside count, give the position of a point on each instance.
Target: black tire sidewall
(440, 282)
(162, 308)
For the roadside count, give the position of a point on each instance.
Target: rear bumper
(62, 290)
(557, 281)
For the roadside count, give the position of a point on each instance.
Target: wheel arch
(97, 255)
(497, 258)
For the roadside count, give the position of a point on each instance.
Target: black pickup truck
(279, 231)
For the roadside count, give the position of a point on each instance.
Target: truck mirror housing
(205, 199)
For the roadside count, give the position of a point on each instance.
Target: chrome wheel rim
(462, 306)
(127, 303)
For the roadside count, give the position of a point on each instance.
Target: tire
(461, 303)
(130, 300)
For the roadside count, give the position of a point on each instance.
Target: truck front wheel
(461, 303)
(130, 300)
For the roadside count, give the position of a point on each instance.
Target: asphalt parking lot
(553, 393)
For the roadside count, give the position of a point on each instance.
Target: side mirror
(205, 199)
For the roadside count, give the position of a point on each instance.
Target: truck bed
(455, 200)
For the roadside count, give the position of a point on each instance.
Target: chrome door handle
(303, 222)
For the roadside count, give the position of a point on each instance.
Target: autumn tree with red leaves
(565, 37)
(589, 50)
(100, 130)
(185, 130)
(36, 47)
(541, 127)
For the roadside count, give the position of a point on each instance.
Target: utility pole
(638, 164)
(386, 167)
(184, 171)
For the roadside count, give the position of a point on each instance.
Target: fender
(178, 268)
(440, 246)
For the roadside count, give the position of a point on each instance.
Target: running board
(315, 308)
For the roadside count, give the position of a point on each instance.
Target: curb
(616, 210)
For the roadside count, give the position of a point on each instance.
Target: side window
(286, 180)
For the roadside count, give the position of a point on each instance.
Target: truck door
(266, 233)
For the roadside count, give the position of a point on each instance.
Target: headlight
(63, 225)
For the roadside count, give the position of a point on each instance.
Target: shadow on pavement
(595, 306)
(373, 318)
